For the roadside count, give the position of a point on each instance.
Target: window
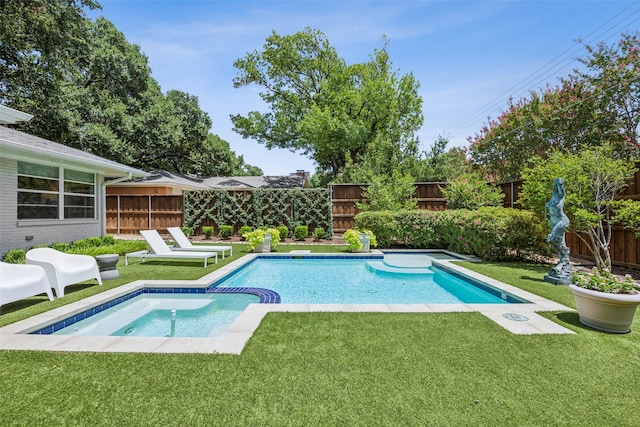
(49, 192)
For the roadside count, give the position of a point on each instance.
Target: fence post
(118, 213)
(511, 194)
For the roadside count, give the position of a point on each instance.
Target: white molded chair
(159, 249)
(64, 269)
(18, 281)
(184, 244)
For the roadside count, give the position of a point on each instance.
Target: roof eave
(19, 151)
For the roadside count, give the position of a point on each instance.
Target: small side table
(107, 266)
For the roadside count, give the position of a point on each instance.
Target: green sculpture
(559, 221)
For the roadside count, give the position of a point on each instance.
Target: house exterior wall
(15, 234)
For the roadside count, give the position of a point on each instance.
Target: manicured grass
(364, 369)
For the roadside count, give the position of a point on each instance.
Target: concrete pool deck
(516, 318)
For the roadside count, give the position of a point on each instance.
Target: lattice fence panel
(272, 207)
(313, 208)
(259, 207)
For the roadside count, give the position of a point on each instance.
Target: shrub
(275, 237)
(188, 231)
(225, 231)
(389, 193)
(352, 237)
(61, 246)
(384, 225)
(14, 256)
(256, 237)
(120, 247)
(301, 232)
(108, 239)
(244, 230)
(207, 230)
(469, 191)
(491, 233)
(91, 242)
(318, 233)
(283, 230)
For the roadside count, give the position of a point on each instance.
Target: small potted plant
(605, 302)
(262, 240)
(359, 240)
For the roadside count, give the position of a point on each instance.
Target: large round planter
(604, 311)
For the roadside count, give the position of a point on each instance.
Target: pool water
(149, 315)
(352, 281)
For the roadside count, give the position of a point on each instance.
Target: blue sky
(469, 56)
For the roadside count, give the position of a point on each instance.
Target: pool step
(407, 260)
(381, 266)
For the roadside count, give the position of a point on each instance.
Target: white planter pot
(264, 246)
(365, 241)
(607, 312)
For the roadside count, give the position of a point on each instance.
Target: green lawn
(364, 369)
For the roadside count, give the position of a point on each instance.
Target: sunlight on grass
(357, 369)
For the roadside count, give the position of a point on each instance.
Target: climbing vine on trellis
(259, 207)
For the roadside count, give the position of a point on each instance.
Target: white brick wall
(13, 234)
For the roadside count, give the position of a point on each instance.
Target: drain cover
(515, 317)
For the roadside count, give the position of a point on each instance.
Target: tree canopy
(590, 108)
(324, 108)
(91, 89)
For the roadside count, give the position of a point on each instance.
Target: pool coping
(517, 318)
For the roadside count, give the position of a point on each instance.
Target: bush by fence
(492, 234)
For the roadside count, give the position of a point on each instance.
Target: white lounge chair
(64, 269)
(159, 249)
(18, 281)
(184, 244)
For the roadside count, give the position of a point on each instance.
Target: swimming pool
(360, 280)
(36, 333)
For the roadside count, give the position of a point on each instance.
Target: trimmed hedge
(92, 246)
(491, 233)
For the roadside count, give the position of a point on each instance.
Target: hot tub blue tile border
(266, 297)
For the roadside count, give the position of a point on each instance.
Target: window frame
(61, 181)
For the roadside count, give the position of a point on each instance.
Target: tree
(589, 108)
(471, 191)
(593, 178)
(323, 107)
(391, 193)
(40, 41)
(440, 165)
(613, 73)
(216, 159)
(89, 88)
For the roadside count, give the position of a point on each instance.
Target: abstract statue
(559, 221)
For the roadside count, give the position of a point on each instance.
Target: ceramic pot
(264, 246)
(604, 311)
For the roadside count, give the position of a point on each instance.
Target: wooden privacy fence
(345, 196)
(128, 214)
